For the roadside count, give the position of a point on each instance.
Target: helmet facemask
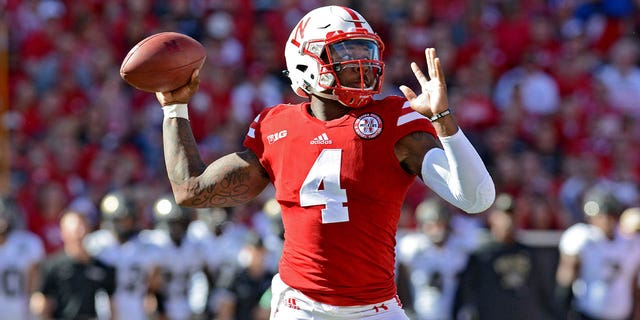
(171, 218)
(352, 70)
(326, 45)
(119, 215)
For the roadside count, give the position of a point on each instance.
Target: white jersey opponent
(433, 272)
(178, 265)
(607, 268)
(20, 252)
(220, 253)
(134, 261)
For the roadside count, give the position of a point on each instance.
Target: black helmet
(216, 219)
(117, 205)
(504, 203)
(166, 210)
(432, 210)
(169, 216)
(600, 200)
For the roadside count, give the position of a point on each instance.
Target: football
(162, 62)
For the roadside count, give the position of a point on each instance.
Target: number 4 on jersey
(325, 172)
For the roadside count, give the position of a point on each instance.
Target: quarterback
(340, 163)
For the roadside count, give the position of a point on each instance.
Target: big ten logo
(276, 136)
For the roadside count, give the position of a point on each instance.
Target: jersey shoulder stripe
(408, 114)
(398, 111)
(268, 112)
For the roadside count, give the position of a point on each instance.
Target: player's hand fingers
(182, 94)
(422, 79)
(195, 79)
(439, 71)
(408, 93)
(161, 98)
(430, 54)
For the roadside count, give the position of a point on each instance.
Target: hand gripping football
(162, 62)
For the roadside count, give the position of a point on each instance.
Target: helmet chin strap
(332, 97)
(337, 98)
(326, 95)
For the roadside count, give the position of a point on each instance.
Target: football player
(181, 258)
(340, 163)
(135, 258)
(431, 260)
(222, 241)
(597, 275)
(21, 253)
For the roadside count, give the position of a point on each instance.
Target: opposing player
(597, 275)
(21, 252)
(181, 258)
(340, 164)
(222, 241)
(135, 258)
(431, 261)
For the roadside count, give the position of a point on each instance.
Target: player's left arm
(154, 297)
(33, 277)
(455, 171)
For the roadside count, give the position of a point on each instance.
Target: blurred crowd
(547, 90)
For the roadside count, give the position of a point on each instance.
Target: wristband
(440, 115)
(178, 110)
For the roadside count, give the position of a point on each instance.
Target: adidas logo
(321, 139)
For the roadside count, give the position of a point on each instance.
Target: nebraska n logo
(299, 34)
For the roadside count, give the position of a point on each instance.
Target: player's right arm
(571, 243)
(566, 274)
(229, 181)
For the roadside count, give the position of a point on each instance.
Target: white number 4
(325, 172)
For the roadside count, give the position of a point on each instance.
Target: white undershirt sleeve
(458, 175)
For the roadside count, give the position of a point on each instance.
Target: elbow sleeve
(458, 174)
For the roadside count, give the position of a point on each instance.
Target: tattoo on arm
(231, 180)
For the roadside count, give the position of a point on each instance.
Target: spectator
(44, 216)
(258, 91)
(72, 279)
(621, 76)
(529, 86)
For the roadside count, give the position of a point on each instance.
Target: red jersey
(341, 188)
